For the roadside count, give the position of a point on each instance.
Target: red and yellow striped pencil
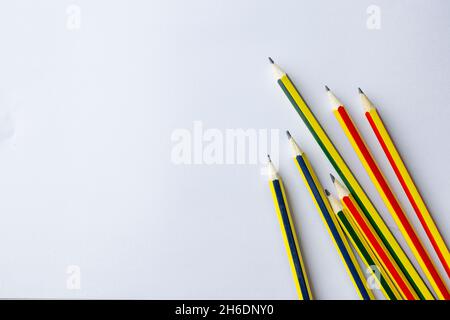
(406, 181)
(389, 198)
(378, 247)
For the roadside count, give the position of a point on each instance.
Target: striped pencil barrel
(364, 250)
(378, 247)
(343, 248)
(350, 181)
(289, 234)
(406, 181)
(389, 198)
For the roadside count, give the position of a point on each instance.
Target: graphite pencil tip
(360, 91)
(268, 157)
(332, 178)
(327, 192)
(288, 134)
(271, 60)
(326, 88)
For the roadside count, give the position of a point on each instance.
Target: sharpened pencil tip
(268, 157)
(327, 192)
(288, 134)
(326, 88)
(271, 60)
(332, 177)
(360, 91)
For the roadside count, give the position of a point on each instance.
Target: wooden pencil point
(271, 60)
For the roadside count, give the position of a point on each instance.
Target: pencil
(389, 198)
(363, 249)
(375, 242)
(289, 234)
(343, 248)
(406, 181)
(349, 179)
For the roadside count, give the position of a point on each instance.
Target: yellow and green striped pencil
(363, 248)
(289, 234)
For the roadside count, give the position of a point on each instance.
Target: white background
(86, 118)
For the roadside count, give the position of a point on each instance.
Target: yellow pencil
(336, 234)
(289, 234)
(406, 181)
